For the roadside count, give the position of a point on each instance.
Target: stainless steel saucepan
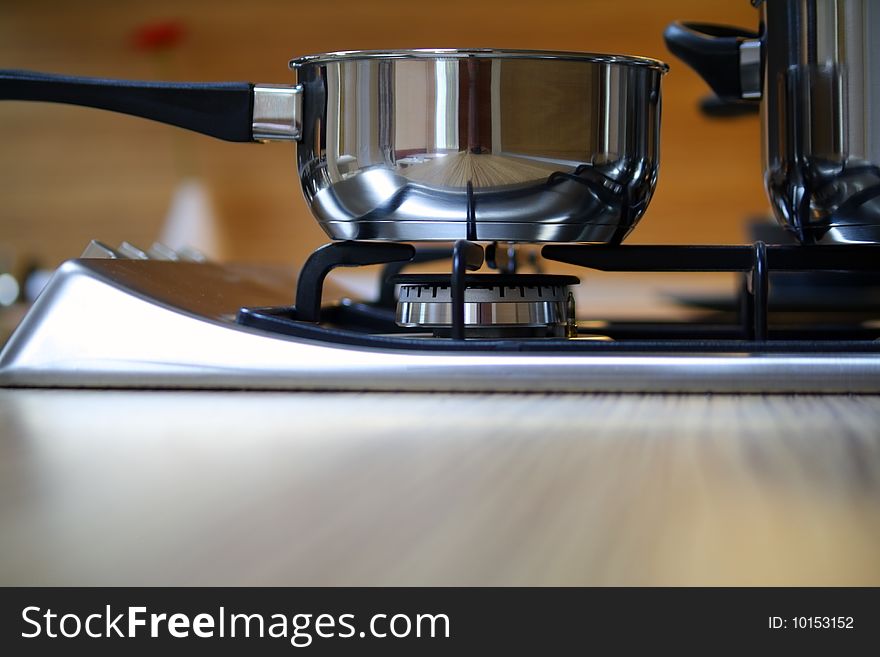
(431, 144)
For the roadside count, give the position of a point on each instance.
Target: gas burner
(495, 305)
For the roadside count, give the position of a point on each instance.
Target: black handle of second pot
(712, 51)
(219, 109)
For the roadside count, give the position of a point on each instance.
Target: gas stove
(489, 317)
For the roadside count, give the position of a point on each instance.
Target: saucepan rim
(479, 53)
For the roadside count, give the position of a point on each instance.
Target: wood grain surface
(255, 488)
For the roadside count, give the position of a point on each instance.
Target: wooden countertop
(204, 488)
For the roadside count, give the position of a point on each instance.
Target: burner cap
(482, 280)
(500, 305)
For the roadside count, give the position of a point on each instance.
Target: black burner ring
(487, 280)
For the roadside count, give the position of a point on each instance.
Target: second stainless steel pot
(432, 144)
(815, 67)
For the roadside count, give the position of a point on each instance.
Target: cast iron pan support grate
(465, 256)
(310, 286)
(756, 261)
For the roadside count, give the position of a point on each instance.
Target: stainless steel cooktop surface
(145, 323)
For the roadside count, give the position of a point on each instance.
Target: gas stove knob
(96, 249)
(130, 251)
(159, 251)
(190, 254)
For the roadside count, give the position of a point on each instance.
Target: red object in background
(162, 35)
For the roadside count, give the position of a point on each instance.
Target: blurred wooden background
(70, 174)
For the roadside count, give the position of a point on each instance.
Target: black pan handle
(219, 109)
(726, 108)
(713, 51)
